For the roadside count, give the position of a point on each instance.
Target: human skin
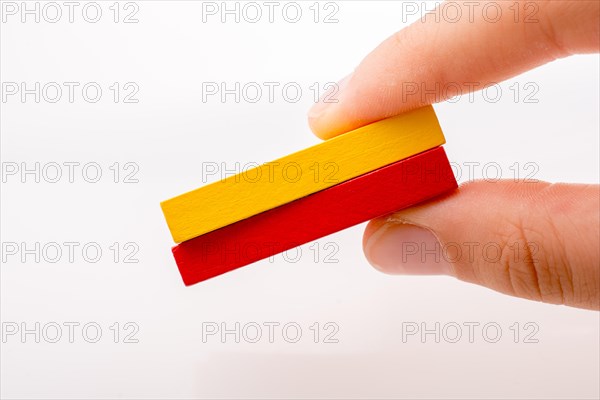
(556, 227)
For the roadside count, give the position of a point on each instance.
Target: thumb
(537, 240)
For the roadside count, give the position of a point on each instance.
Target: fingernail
(404, 249)
(331, 97)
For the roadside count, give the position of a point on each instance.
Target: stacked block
(352, 178)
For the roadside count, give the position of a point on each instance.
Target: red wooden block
(368, 196)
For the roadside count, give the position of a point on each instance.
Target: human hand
(556, 226)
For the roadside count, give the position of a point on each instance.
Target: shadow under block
(292, 177)
(378, 193)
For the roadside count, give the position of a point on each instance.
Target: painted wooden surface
(302, 173)
(374, 194)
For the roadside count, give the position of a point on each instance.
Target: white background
(170, 133)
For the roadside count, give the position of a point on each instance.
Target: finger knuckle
(534, 264)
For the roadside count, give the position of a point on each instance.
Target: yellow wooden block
(302, 173)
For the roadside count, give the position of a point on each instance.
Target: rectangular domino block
(260, 189)
(372, 195)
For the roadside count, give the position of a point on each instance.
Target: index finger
(437, 57)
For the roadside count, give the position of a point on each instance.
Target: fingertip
(326, 117)
(315, 121)
(404, 249)
(372, 227)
